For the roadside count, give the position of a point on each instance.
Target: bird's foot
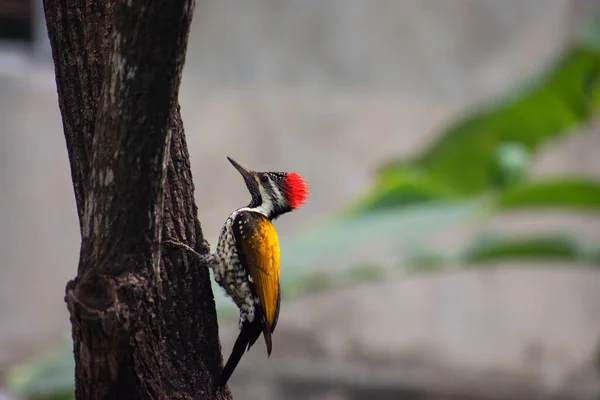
(184, 246)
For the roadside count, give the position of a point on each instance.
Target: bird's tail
(248, 334)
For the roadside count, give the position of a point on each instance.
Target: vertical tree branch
(144, 322)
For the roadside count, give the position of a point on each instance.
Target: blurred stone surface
(330, 88)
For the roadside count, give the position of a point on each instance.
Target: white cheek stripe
(267, 203)
(278, 195)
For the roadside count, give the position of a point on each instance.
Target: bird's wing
(259, 245)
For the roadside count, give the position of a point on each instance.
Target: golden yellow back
(260, 246)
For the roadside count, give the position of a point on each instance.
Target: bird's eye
(264, 179)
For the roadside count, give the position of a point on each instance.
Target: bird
(246, 262)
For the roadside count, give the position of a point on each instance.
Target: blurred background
(451, 244)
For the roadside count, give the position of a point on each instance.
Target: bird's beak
(246, 172)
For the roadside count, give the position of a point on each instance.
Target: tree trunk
(143, 315)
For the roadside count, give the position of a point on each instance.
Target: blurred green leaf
(402, 188)
(550, 247)
(574, 193)
(512, 161)
(463, 157)
(49, 376)
(492, 147)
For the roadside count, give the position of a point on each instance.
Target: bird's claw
(182, 246)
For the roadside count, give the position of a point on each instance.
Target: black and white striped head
(273, 193)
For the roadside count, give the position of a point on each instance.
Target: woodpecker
(247, 258)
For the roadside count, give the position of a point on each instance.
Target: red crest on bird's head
(295, 189)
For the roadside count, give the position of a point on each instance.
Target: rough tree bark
(143, 316)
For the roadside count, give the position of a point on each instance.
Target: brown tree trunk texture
(143, 315)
